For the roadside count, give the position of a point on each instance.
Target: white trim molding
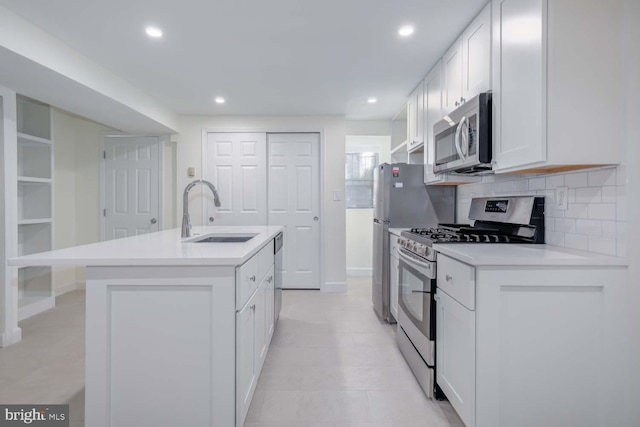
(359, 272)
(333, 287)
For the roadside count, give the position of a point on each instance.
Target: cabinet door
(415, 108)
(269, 306)
(432, 114)
(455, 355)
(246, 368)
(261, 325)
(476, 55)
(452, 77)
(519, 82)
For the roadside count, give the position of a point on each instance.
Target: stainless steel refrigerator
(401, 200)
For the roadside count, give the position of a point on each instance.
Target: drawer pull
(270, 279)
(253, 307)
(448, 278)
(252, 278)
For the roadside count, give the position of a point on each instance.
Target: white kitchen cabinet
(476, 55)
(432, 114)
(415, 117)
(467, 64)
(456, 342)
(540, 336)
(254, 329)
(394, 264)
(556, 97)
(246, 348)
(452, 77)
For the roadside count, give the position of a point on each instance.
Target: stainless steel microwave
(463, 138)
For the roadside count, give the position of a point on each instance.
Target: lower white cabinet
(455, 355)
(254, 329)
(532, 345)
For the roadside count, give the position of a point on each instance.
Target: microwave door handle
(464, 136)
(457, 139)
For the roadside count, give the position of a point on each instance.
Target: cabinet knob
(211, 219)
(269, 279)
(457, 103)
(448, 278)
(253, 307)
(252, 278)
(462, 100)
(153, 220)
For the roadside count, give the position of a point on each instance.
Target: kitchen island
(176, 331)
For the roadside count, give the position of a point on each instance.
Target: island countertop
(163, 248)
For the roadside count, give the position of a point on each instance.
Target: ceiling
(277, 57)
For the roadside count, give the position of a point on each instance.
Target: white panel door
(294, 202)
(236, 164)
(132, 186)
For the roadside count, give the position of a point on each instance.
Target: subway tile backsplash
(595, 220)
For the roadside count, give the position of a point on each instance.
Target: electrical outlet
(562, 195)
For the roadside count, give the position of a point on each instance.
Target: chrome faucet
(186, 218)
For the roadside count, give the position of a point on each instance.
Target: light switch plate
(562, 196)
(191, 171)
(337, 195)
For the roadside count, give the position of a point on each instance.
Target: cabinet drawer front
(265, 260)
(458, 280)
(247, 281)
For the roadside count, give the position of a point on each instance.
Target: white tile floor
(332, 363)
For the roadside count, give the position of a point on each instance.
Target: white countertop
(498, 254)
(397, 231)
(165, 248)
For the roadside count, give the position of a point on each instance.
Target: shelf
(34, 200)
(35, 221)
(33, 179)
(35, 161)
(401, 146)
(27, 139)
(34, 238)
(34, 118)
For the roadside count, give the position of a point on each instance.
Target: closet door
(236, 164)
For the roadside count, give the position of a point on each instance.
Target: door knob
(315, 218)
(211, 219)
(153, 220)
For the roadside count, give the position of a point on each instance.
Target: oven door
(416, 287)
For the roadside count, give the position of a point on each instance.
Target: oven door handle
(405, 256)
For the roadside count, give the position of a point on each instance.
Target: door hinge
(104, 155)
(104, 212)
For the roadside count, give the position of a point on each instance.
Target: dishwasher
(278, 273)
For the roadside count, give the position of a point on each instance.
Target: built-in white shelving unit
(35, 203)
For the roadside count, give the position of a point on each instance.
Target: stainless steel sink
(223, 238)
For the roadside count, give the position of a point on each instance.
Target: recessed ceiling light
(405, 31)
(219, 100)
(372, 100)
(154, 32)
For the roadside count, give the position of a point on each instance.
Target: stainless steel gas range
(496, 220)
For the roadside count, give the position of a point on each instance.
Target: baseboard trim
(70, 287)
(9, 338)
(334, 287)
(359, 272)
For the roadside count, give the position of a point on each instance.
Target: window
(359, 171)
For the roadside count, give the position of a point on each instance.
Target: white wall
(76, 188)
(359, 222)
(189, 153)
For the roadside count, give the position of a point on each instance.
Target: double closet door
(270, 179)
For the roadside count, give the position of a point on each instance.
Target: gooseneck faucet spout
(186, 218)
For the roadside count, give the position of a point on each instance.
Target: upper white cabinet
(556, 97)
(467, 64)
(415, 109)
(452, 77)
